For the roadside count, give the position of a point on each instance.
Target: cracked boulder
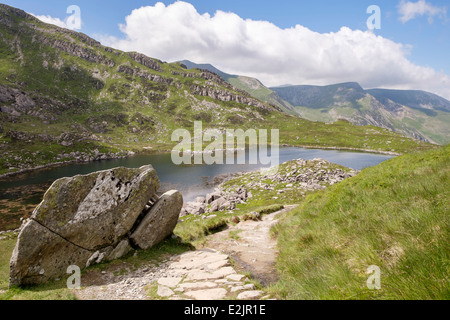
(98, 209)
(86, 219)
(159, 221)
(41, 255)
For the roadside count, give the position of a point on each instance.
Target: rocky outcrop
(20, 101)
(88, 219)
(137, 72)
(303, 175)
(146, 61)
(216, 201)
(227, 96)
(78, 50)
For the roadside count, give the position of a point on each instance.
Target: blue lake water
(189, 179)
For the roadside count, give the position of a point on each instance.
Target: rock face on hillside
(88, 219)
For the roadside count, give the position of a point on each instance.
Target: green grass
(6, 249)
(394, 215)
(52, 291)
(234, 234)
(194, 229)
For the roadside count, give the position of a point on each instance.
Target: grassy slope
(134, 113)
(394, 215)
(342, 134)
(433, 127)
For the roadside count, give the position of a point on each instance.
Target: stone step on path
(205, 275)
(202, 274)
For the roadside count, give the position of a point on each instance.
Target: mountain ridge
(414, 113)
(65, 97)
(251, 85)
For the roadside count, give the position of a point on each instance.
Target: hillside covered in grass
(64, 97)
(394, 216)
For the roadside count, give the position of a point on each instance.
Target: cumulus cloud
(276, 56)
(49, 19)
(73, 21)
(410, 10)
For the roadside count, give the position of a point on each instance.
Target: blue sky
(427, 36)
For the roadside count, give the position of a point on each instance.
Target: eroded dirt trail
(250, 245)
(202, 274)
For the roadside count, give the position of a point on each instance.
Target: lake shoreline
(388, 153)
(64, 163)
(21, 190)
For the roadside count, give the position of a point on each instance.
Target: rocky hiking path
(203, 274)
(250, 246)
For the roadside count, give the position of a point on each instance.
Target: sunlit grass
(394, 215)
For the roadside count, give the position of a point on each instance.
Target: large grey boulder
(41, 255)
(88, 219)
(97, 209)
(159, 222)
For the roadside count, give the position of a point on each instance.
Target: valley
(362, 180)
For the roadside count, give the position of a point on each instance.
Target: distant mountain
(209, 67)
(251, 85)
(420, 100)
(418, 114)
(317, 97)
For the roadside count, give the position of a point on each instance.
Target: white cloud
(49, 19)
(276, 56)
(72, 21)
(410, 10)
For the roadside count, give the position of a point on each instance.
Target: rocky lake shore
(299, 174)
